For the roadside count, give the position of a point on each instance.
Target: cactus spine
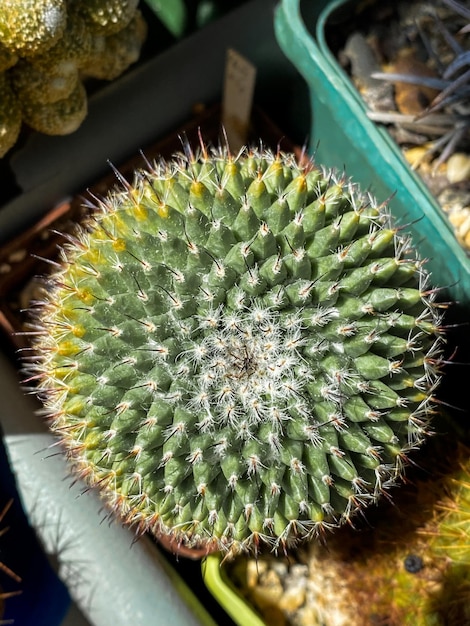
(238, 350)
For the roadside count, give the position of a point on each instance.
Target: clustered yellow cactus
(48, 48)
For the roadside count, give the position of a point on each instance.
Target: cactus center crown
(246, 365)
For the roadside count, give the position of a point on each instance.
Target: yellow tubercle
(78, 330)
(116, 224)
(274, 169)
(119, 245)
(65, 310)
(61, 373)
(231, 168)
(93, 256)
(85, 295)
(408, 382)
(67, 348)
(417, 396)
(75, 405)
(93, 439)
(257, 187)
(139, 212)
(197, 189)
(163, 210)
(300, 183)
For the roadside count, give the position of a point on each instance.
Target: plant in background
(48, 48)
(184, 16)
(238, 350)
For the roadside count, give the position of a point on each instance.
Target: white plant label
(239, 86)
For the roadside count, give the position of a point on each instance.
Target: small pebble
(271, 579)
(308, 616)
(267, 595)
(274, 617)
(254, 570)
(458, 167)
(293, 597)
(459, 219)
(280, 567)
(415, 155)
(453, 199)
(461, 223)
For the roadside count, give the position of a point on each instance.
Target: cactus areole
(238, 350)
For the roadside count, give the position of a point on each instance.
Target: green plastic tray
(228, 597)
(342, 136)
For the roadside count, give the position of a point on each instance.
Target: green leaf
(172, 13)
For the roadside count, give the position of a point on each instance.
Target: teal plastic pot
(342, 136)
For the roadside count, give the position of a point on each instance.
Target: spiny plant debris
(411, 64)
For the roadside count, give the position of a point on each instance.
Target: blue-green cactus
(238, 350)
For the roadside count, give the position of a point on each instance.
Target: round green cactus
(238, 350)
